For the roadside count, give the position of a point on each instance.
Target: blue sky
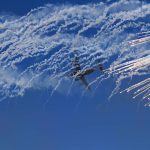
(38, 121)
(22, 7)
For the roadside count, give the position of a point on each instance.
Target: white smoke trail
(136, 67)
(140, 41)
(143, 87)
(36, 50)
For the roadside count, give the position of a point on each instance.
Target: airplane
(79, 74)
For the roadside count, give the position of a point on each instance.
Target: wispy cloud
(39, 46)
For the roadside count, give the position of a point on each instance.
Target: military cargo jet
(79, 75)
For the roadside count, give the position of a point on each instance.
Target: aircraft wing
(83, 80)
